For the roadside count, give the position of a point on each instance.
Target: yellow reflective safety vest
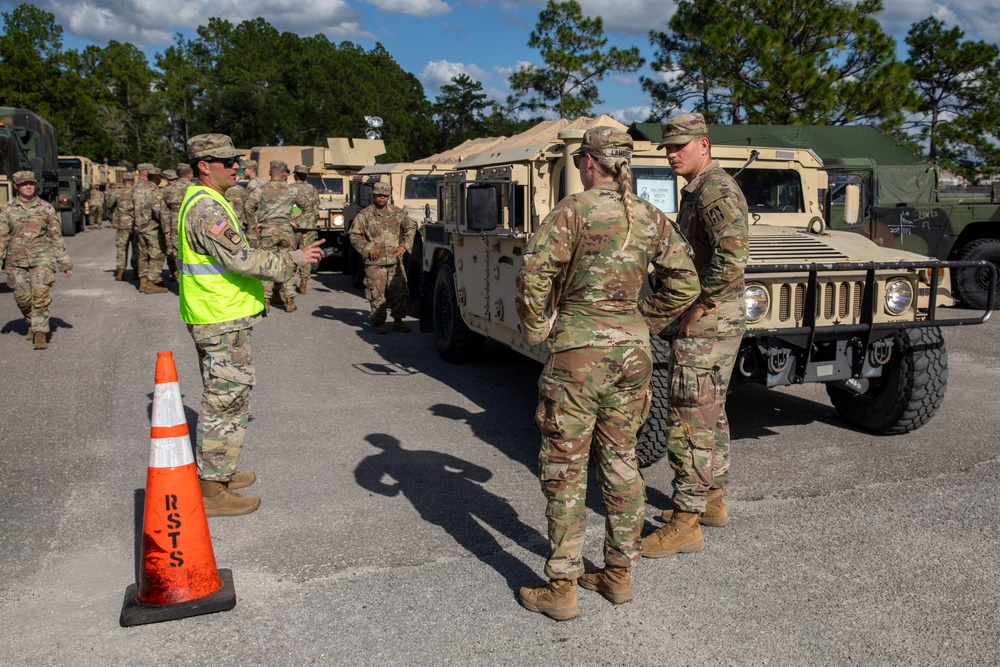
(209, 292)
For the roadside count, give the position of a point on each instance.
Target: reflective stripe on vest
(209, 292)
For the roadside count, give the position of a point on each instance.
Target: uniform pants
(599, 396)
(151, 254)
(277, 239)
(122, 238)
(95, 219)
(227, 372)
(386, 290)
(698, 434)
(302, 239)
(32, 294)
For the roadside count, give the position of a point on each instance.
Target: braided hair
(620, 169)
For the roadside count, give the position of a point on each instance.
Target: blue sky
(437, 39)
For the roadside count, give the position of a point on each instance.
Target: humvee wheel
(413, 261)
(651, 441)
(909, 392)
(66, 223)
(972, 285)
(455, 341)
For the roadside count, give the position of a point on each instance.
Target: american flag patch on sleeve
(218, 226)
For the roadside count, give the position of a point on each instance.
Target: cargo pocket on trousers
(553, 478)
(548, 415)
(691, 386)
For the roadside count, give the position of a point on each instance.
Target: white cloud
(437, 73)
(420, 8)
(979, 20)
(629, 115)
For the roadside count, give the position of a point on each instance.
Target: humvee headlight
(338, 220)
(756, 300)
(898, 296)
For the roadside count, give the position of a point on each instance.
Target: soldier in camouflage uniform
(147, 226)
(382, 234)
(95, 206)
(121, 209)
(173, 195)
(307, 202)
(589, 259)
(31, 243)
(268, 210)
(237, 196)
(713, 218)
(221, 298)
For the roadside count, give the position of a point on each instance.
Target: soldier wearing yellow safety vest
(221, 298)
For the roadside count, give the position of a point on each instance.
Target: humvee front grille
(834, 301)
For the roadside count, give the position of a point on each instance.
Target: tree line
(736, 61)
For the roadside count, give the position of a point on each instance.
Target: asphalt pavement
(401, 511)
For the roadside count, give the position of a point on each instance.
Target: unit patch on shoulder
(232, 235)
(715, 215)
(218, 226)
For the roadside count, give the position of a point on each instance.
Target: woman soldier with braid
(590, 258)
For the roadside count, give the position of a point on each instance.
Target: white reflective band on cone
(170, 452)
(168, 409)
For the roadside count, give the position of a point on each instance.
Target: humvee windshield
(327, 186)
(422, 186)
(771, 190)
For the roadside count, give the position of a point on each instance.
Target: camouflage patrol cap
(153, 171)
(279, 165)
(604, 141)
(682, 129)
(249, 164)
(381, 188)
(129, 176)
(211, 145)
(300, 169)
(144, 166)
(170, 174)
(24, 177)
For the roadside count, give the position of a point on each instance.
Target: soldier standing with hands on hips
(382, 234)
(713, 218)
(31, 244)
(588, 261)
(221, 298)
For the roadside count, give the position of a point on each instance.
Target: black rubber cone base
(135, 612)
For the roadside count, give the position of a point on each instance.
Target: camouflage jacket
(307, 199)
(383, 230)
(173, 196)
(232, 251)
(95, 204)
(580, 260)
(270, 205)
(30, 235)
(121, 208)
(713, 219)
(145, 198)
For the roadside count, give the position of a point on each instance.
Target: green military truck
(900, 203)
(76, 179)
(822, 306)
(28, 141)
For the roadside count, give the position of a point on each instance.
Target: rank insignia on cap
(218, 226)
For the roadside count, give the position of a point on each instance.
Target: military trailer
(28, 141)
(900, 201)
(822, 306)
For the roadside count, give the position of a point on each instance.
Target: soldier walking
(307, 201)
(173, 195)
(32, 246)
(95, 206)
(713, 218)
(589, 260)
(268, 209)
(147, 225)
(221, 298)
(382, 234)
(121, 210)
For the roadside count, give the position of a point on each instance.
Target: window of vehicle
(327, 186)
(771, 190)
(421, 186)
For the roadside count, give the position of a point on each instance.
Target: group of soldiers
(276, 215)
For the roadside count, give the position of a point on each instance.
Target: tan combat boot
(682, 535)
(220, 501)
(399, 325)
(303, 286)
(380, 329)
(142, 284)
(119, 275)
(556, 599)
(290, 306)
(242, 479)
(614, 583)
(40, 343)
(715, 514)
(30, 335)
(152, 288)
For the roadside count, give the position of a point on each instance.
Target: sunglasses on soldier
(226, 162)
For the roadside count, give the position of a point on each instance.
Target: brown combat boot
(556, 599)
(40, 343)
(152, 288)
(290, 306)
(399, 325)
(380, 329)
(220, 501)
(682, 535)
(142, 283)
(715, 514)
(120, 275)
(303, 286)
(614, 583)
(242, 479)
(30, 335)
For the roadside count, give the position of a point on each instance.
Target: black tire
(357, 268)
(971, 286)
(651, 441)
(455, 341)
(414, 263)
(66, 223)
(909, 392)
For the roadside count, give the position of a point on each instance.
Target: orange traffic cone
(178, 577)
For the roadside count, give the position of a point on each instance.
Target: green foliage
(958, 104)
(30, 49)
(779, 61)
(460, 110)
(576, 60)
